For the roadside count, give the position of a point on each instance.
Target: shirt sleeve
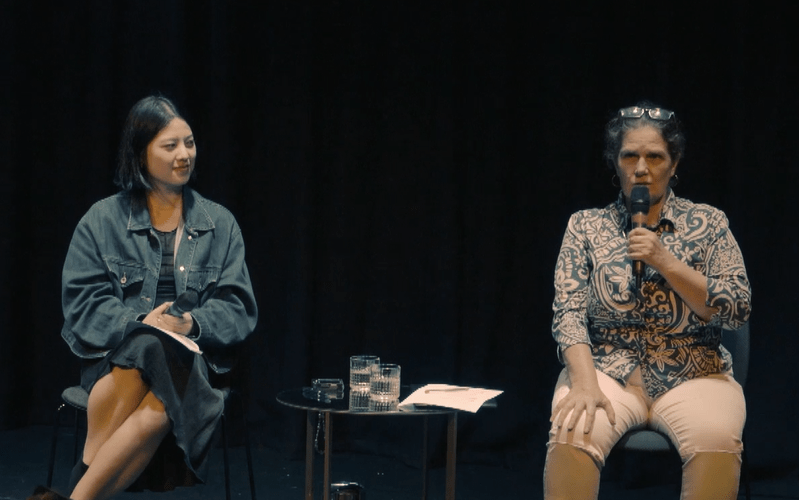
(728, 286)
(572, 275)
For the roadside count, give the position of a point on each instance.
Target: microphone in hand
(184, 303)
(639, 208)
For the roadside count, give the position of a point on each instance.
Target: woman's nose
(183, 153)
(641, 167)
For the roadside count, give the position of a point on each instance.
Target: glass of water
(385, 384)
(361, 371)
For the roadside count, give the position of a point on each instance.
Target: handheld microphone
(184, 303)
(639, 208)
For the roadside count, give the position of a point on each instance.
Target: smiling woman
(152, 410)
(170, 157)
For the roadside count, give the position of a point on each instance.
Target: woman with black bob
(152, 410)
(648, 355)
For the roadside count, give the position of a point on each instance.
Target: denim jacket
(111, 273)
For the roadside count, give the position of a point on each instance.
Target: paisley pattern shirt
(596, 302)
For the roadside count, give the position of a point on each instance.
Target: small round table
(294, 398)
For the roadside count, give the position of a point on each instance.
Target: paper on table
(450, 396)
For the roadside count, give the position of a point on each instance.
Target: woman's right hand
(582, 398)
(159, 319)
(584, 394)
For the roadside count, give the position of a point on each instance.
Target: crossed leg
(126, 424)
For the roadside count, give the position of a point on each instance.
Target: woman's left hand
(645, 245)
(160, 319)
(690, 284)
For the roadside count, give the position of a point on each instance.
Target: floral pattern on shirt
(596, 302)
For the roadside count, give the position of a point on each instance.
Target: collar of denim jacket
(195, 215)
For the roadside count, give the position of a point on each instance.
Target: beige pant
(704, 418)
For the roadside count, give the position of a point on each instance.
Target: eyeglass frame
(659, 114)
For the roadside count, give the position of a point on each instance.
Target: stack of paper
(449, 396)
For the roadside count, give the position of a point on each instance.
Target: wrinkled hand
(645, 245)
(159, 319)
(579, 400)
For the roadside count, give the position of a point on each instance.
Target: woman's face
(644, 160)
(170, 156)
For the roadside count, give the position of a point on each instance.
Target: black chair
(78, 399)
(648, 440)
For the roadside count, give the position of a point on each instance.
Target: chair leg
(247, 448)
(249, 453)
(745, 472)
(56, 425)
(77, 440)
(225, 457)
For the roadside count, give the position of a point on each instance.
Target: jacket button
(189, 236)
(182, 268)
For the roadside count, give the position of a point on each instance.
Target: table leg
(452, 448)
(424, 459)
(309, 456)
(328, 446)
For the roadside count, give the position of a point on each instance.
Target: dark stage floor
(24, 457)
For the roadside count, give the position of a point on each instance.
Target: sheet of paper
(189, 343)
(450, 396)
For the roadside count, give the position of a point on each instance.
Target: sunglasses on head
(654, 113)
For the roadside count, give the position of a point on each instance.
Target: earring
(674, 180)
(615, 181)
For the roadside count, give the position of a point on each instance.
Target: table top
(294, 398)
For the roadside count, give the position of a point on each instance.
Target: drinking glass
(359, 400)
(361, 371)
(385, 384)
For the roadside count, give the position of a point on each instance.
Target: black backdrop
(403, 174)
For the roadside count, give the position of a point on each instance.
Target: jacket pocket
(203, 280)
(127, 277)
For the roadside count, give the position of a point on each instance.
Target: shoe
(43, 493)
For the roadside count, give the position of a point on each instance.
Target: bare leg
(126, 424)
(126, 453)
(571, 474)
(711, 476)
(112, 400)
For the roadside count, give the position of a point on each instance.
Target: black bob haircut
(146, 119)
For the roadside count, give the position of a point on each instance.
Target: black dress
(178, 377)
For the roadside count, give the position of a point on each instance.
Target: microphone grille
(639, 199)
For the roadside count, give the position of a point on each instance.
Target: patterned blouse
(596, 302)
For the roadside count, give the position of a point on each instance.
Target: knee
(597, 444)
(710, 437)
(151, 416)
